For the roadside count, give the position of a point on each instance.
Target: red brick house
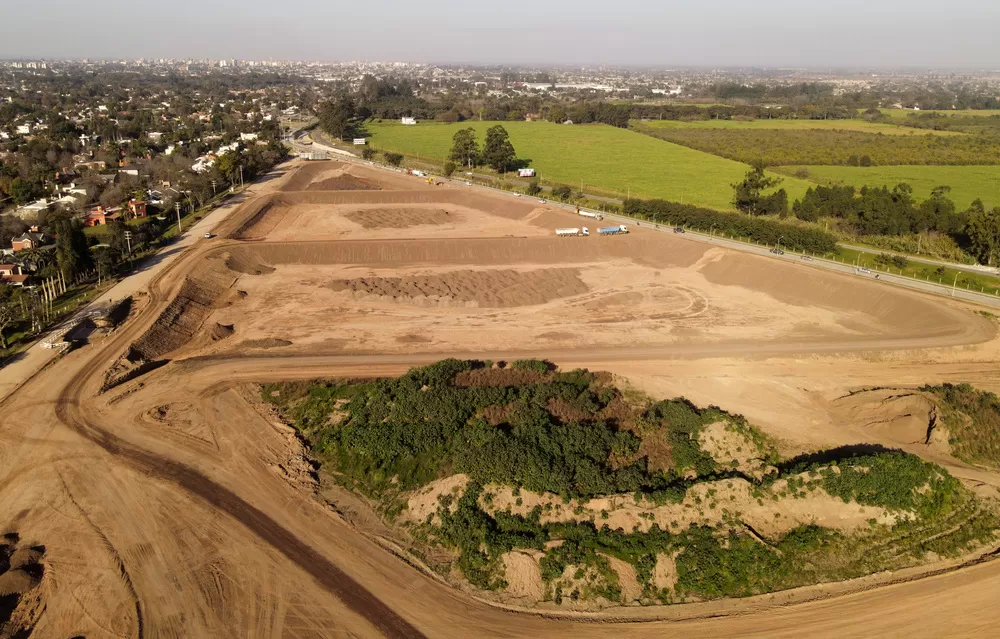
(27, 241)
(101, 215)
(137, 208)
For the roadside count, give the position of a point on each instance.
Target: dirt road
(175, 506)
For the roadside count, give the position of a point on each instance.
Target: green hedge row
(761, 230)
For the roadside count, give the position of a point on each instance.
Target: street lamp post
(711, 231)
(955, 283)
(780, 237)
(177, 207)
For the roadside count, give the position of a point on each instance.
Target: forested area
(895, 212)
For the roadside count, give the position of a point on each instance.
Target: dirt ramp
(259, 217)
(483, 289)
(302, 177)
(344, 182)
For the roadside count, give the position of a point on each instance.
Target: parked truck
(573, 232)
(596, 216)
(613, 230)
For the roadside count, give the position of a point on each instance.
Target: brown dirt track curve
(215, 544)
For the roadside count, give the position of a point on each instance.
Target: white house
(23, 129)
(406, 120)
(248, 136)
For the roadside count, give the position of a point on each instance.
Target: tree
(72, 251)
(9, 312)
(498, 152)
(228, 165)
(534, 188)
(335, 117)
(104, 260)
(465, 148)
(562, 192)
(748, 195)
(983, 231)
(22, 191)
(393, 159)
(449, 168)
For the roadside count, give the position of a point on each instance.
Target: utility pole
(177, 207)
(241, 176)
(128, 241)
(213, 188)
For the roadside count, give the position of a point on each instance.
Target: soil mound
(304, 176)
(247, 263)
(896, 416)
(267, 342)
(401, 218)
(21, 572)
(345, 182)
(484, 289)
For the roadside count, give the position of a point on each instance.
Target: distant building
(137, 208)
(248, 136)
(406, 120)
(99, 216)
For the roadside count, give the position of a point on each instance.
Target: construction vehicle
(574, 232)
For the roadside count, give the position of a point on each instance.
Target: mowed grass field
(607, 160)
(967, 182)
(863, 126)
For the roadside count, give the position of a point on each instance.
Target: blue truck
(613, 230)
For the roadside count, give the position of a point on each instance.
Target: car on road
(864, 270)
(777, 251)
(208, 236)
(808, 258)
(517, 195)
(678, 229)
(467, 183)
(541, 201)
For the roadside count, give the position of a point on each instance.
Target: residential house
(130, 169)
(137, 207)
(100, 215)
(33, 210)
(29, 240)
(248, 136)
(12, 275)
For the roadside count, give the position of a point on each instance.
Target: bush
(761, 230)
(393, 159)
(533, 188)
(562, 192)
(449, 168)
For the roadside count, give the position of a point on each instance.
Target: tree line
(884, 211)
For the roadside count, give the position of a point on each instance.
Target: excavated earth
(163, 500)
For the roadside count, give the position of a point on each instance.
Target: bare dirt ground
(169, 506)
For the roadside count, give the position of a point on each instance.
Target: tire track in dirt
(325, 572)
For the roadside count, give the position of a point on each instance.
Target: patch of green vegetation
(603, 160)
(972, 418)
(968, 183)
(782, 147)
(948, 276)
(388, 436)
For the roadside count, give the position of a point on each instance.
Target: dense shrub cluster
(972, 418)
(761, 230)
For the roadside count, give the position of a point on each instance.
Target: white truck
(573, 232)
(596, 216)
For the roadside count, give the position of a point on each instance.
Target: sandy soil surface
(170, 506)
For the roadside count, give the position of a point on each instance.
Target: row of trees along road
(497, 152)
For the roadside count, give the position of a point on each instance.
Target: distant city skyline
(726, 33)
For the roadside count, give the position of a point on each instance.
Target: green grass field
(903, 114)
(607, 160)
(863, 126)
(967, 182)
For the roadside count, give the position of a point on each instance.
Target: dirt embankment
(210, 288)
(344, 182)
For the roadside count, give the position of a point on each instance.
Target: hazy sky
(958, 33)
